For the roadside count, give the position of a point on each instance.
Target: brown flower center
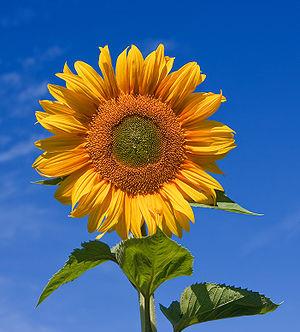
(136, 142)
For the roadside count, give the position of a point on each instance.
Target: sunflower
(133, 146)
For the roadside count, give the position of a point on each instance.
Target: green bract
(50, 182)
(225, 203)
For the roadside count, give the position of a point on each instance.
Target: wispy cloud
(39, 57)
(4, 139)
(19, 93)
(20, 89)
(13, 321)
(17, 18)
(282, 231)
(11, 318)
(10, 78)
(9, 185)
(32, 92)
(24, 219)
(148, 45)
(17, 150)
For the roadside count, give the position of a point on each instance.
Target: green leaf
(206, 301)
(50, 182)
(225, 203)
(150, 261)
(81, 260)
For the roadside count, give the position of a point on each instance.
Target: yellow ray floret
(133, 143)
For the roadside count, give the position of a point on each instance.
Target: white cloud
(278, 232)
(23, 218)
(15, 322)
(17, 18)
(10, 78)
(8, 185)
(4, 139)
(32, 92)
(20, 89)
(11, 318)
(17, 150)
(19, 93)
(41, 57)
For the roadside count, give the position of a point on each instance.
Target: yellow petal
(79, 103)
(77, 84)
(127, 213)
(208, 129)
(61, 164)
(122, 72)
(64, 190)
(55, 107)
(209, 138)
(169, 64)
(211, 167)
(67, 69)
(183, 220)
(107, 70)
(59, 143)
(156, 208)
(92, 78)
(114, 211)
(199, 177)
(145, 207)
(190, 101)
(176, 86)
(155, 68)
(61, 124)
(211, 150)
(40, 116)
(193, 194)
(121, 227)
(88, 201)
(206, 106)
(98, 213)
(135, 62)
(84, 185)
(133, 215)
(169, 217)
(177, 200)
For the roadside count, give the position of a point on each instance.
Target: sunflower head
(133, 145)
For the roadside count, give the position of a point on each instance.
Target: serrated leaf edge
(40, 300)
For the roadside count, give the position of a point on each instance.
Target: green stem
(147, 305)
(152, 313)
(147, 314)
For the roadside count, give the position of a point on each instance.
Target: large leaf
(90, 255)
(206, 301)
(50, 182)
(149, 261)
(225, 203)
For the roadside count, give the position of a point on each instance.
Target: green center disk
(136, 141)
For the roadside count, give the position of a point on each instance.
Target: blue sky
(248, 49)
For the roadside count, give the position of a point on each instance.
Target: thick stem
(147, 314)
(147, 305)
(152, 313)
